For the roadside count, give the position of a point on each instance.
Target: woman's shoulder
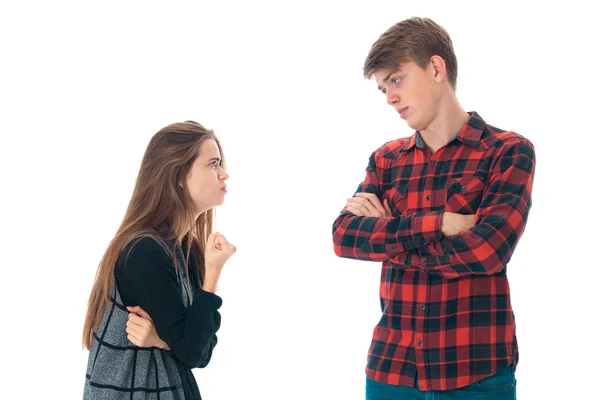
(144, 251)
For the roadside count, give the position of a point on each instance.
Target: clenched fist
(217, 252)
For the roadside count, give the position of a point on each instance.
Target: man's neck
(449, 120)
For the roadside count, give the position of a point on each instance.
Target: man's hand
(453, 224)
(368, 205)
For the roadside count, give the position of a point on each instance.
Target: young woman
(153, 313)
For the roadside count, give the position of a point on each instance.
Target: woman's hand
(217, 252)
(141, 330)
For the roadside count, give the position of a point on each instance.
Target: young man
(443, 210)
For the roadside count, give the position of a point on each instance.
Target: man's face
(412, 91)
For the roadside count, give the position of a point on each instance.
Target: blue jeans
(501, 386)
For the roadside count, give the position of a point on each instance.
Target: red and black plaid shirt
(447, 317)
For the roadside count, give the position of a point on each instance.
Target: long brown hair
(160, 197)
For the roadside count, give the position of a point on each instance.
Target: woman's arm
(190, 332)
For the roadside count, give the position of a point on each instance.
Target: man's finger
(367, 207)
(372, 202)
(355, 211)
(388, 210)
(359, 206)
(373, 199)
(363, 204)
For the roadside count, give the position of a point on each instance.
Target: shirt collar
(470, 133)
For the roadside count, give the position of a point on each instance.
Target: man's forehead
(384, 74)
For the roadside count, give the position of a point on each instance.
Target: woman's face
(206, 179)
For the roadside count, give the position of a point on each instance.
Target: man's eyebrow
(388, 77)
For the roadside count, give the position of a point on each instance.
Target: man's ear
(439, 68)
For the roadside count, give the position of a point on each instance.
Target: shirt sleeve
(487, 247)
(148, 278)
(378, 239)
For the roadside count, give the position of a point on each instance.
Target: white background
(84, 86)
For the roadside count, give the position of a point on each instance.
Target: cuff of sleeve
(209, 300)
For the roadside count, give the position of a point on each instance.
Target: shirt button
(423, 260)
(422, 306)
(427, 198)
(463, 188)
(434, 162)
(420, 343)
(393, 247)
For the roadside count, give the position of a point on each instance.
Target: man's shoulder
(494, 137)
(393, 147)
(492, 133)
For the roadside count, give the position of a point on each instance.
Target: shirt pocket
(464, 194)
(396, 197)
